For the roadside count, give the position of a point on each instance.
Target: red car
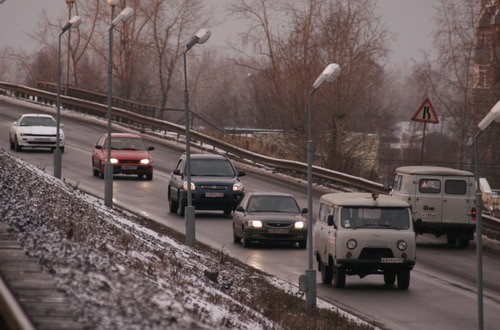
(129, 155)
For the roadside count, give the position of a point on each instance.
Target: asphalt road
(442, 291)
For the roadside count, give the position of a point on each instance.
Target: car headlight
(299, 225)
(351, 244)
(113, 160)
(255, 223)
(402, 245)
(185, 185)
(145, 161)
(238, 186)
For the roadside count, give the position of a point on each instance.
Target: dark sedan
(269, 217)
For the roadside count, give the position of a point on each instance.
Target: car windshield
(127, 143)
(356, 217)
(270, 203)
(38, 121)
(212, 167)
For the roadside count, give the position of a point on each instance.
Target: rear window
(455, 187)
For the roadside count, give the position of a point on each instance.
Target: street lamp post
(74, 22)
(493, 115)
(199, 38)
(70, 4)
(308, 281)
(124, 15)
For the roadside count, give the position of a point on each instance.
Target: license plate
(129, 167)
(391, 260)
(278, 231)
(42, 140)
(214, 194)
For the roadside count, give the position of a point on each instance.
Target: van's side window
(323, 212)
(429, 186)
(455, 187)
(397, 182)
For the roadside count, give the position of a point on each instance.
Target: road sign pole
(423, 145)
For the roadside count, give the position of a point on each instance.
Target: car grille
(128, 161)
(214, 187)
(279, 224)
(40, 135)
(375, 254)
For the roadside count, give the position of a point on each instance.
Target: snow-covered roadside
(118, 273)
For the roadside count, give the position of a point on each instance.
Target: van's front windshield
(375, 217)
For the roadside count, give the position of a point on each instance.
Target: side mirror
(151, 148)
(98, 147)
(176, 172)
(61, 125)
(330, 222)
(241, 173)
(240, 209)
(305, 210)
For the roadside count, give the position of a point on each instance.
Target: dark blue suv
(215, 184)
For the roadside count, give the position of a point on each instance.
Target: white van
(362, 234)
(442, 201)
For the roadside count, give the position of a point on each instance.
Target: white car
(35, 131)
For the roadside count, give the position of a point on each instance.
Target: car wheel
(451, 238)
(236, 239)
(101, 171)
(172, 205)
(245, 242)
(11, 143)
(149, 177)
(389, 277)
(302, 244)
(228, 210)
(339, 277)
(404, 279)
(17, 147)
(463, 242)
(180, 208)
(62, 150)
(326, 273)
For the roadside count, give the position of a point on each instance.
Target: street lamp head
(329, 74)
(113, 3)
(73, 23)
(199, 38)
(493, 115)
(124, 15)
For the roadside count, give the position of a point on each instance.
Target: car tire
(389, 277)
(180, 207)
(11, 143)
(302, 244)
(463, 243)
(17, 147)
(326, 273)
(404, 279)
(149, 177)
(228, 210)
(172, 205)
(236, 238)
(451, 238)
(245, 242)
(95, 172)
(62, 150)
(339, 277)
(101, 171)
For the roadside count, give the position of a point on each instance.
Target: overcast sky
(410, 20)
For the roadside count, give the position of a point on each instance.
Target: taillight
(473, 214)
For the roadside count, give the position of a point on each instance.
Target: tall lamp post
(74, 22)
(308, 281)
(124, 15)
(199, 38)
(493, 115)
(70, 4)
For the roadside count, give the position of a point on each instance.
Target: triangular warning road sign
(426, 113)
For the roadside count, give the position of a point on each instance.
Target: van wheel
(338, 277)
(463, 243)
(326, 273)
(451, 238)
(404, 279)
(389, 278)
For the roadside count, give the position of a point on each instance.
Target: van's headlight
(351, 244)
(255, 223)
(185, 185)
(238, 186)
(402, 245)
(299, 225)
